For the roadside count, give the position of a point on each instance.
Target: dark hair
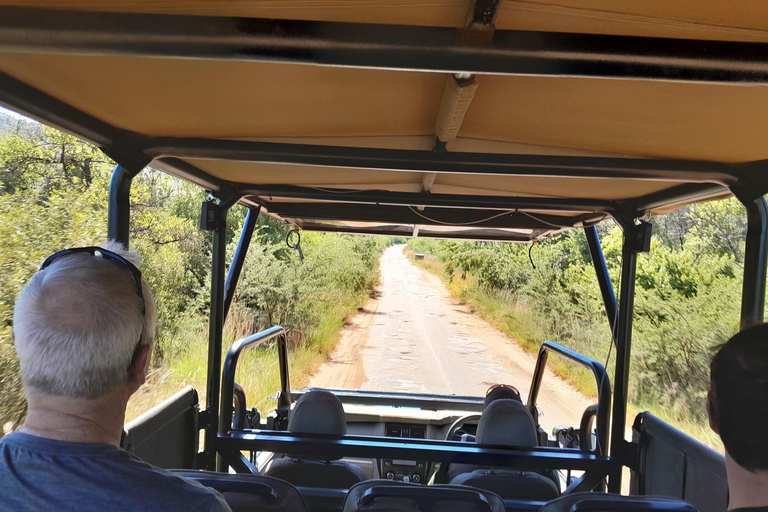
(739, 400)
(501, 391)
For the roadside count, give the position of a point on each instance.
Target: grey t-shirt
(39, 474)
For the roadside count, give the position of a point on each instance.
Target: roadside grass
(519, 322)
(258, 368)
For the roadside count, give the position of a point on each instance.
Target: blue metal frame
(601, 377)
(333, 447)
(623, 346)
(603, 278)
(755, 263)
(230, 367)
(238, 259)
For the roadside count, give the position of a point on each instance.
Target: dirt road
(414, 337)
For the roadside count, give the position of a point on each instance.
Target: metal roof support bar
(424, 232)
(215, 335)
(458, 201)
(119, 219)
(755, 258)
(233, 276)
(603, 278)
(361, 45)
(623, 345)
(434, 217)
(493, 164)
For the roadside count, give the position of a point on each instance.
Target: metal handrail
(603, 387)
(230, 366)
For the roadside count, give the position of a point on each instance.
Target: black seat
(505, 423)
(386, 496)
(607, 502)
(316, 412)
(250, 493)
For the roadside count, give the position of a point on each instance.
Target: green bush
(687, 297)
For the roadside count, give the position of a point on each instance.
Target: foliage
(686, 303)
(54, 195)
(283, 290)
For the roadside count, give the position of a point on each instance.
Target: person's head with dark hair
(501, 391)
(737, 404)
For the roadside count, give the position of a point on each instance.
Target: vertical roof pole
(635, 240)
(603, 278)
(119, 220)
(215, 335)
(755, 259)
(239, 258)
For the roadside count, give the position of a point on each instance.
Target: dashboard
(415, 471)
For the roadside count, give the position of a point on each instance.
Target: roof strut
(460, 87)
(430, 49)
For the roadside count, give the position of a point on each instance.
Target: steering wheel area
(450, 435)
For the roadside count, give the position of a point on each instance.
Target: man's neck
(746, 489)
(76, 420)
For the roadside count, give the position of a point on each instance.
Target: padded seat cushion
(506, 422)
(336, 474)
(511, 485)
(660, 503)
(318, 412)
(387, 495)
(246, 493)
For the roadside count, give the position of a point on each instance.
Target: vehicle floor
(413, 336)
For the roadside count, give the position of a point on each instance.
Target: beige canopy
(493, 120)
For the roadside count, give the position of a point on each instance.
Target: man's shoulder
(95, 477)
(171, 491)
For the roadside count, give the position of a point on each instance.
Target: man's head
(501, 392)
(78, 326)
(738, 399)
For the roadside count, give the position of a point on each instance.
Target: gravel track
(412, 336)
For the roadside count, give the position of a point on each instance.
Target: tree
(49, 161)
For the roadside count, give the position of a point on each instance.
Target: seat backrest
(250, 493)
(506, 422)
(316, 412)
(386, 495)
(336, 474)
(607, 502)
(511, 485)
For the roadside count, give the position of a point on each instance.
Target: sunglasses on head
(109, 255)
(497, 386)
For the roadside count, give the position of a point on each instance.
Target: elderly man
(83, 329)
(738, 411)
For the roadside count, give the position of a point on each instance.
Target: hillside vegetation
(687, 301)
(53, 191)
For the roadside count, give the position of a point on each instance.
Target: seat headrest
(506, 422)
(318, 412)
(616, 502)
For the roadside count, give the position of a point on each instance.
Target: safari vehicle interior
(496, 120)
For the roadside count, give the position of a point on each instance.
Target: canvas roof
(556, 114)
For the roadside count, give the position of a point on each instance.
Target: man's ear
(714, 420)
(137, 372)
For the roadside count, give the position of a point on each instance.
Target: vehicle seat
(505, 423)
(607, 502)
(316, 412)
(250, 493)
(387, 495)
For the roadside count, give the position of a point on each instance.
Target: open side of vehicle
(480, 121)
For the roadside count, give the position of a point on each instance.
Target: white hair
(77, 324)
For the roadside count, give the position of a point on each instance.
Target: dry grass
(515, 319)
(258, 368)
